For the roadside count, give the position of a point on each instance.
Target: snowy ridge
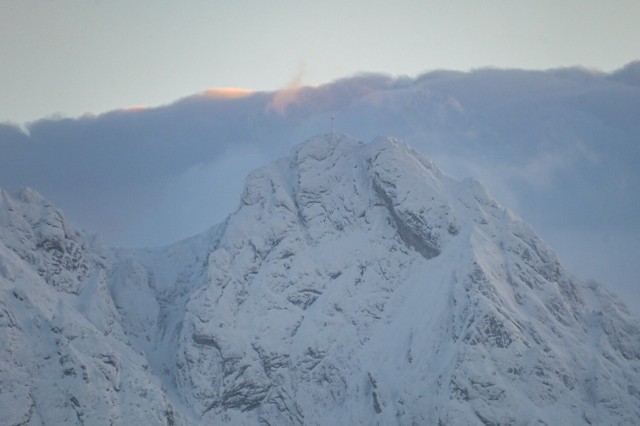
(354, 284)
(64, 357)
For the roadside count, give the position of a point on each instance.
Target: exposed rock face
(355, 284)
(39, 235)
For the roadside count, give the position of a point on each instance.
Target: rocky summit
(354, 284)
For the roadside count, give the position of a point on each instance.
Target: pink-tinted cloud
(227, 92)
(288, 95)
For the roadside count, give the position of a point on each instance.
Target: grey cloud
(629, 74)
(560, 147)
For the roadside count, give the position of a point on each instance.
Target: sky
(68, 57)
(141, 119)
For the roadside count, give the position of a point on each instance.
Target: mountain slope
(64, 356)
(354, 284)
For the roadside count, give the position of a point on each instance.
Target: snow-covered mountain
(354, 284)
(64, 355)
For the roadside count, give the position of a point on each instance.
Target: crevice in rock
(407, 235)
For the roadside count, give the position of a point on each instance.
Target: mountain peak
(322, 146)
(350, 251)
(30, 195)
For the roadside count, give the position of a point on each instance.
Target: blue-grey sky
(70, 57)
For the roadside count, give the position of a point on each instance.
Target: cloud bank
(560, 147)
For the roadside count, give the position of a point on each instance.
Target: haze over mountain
(558, 147)
(354, 283)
